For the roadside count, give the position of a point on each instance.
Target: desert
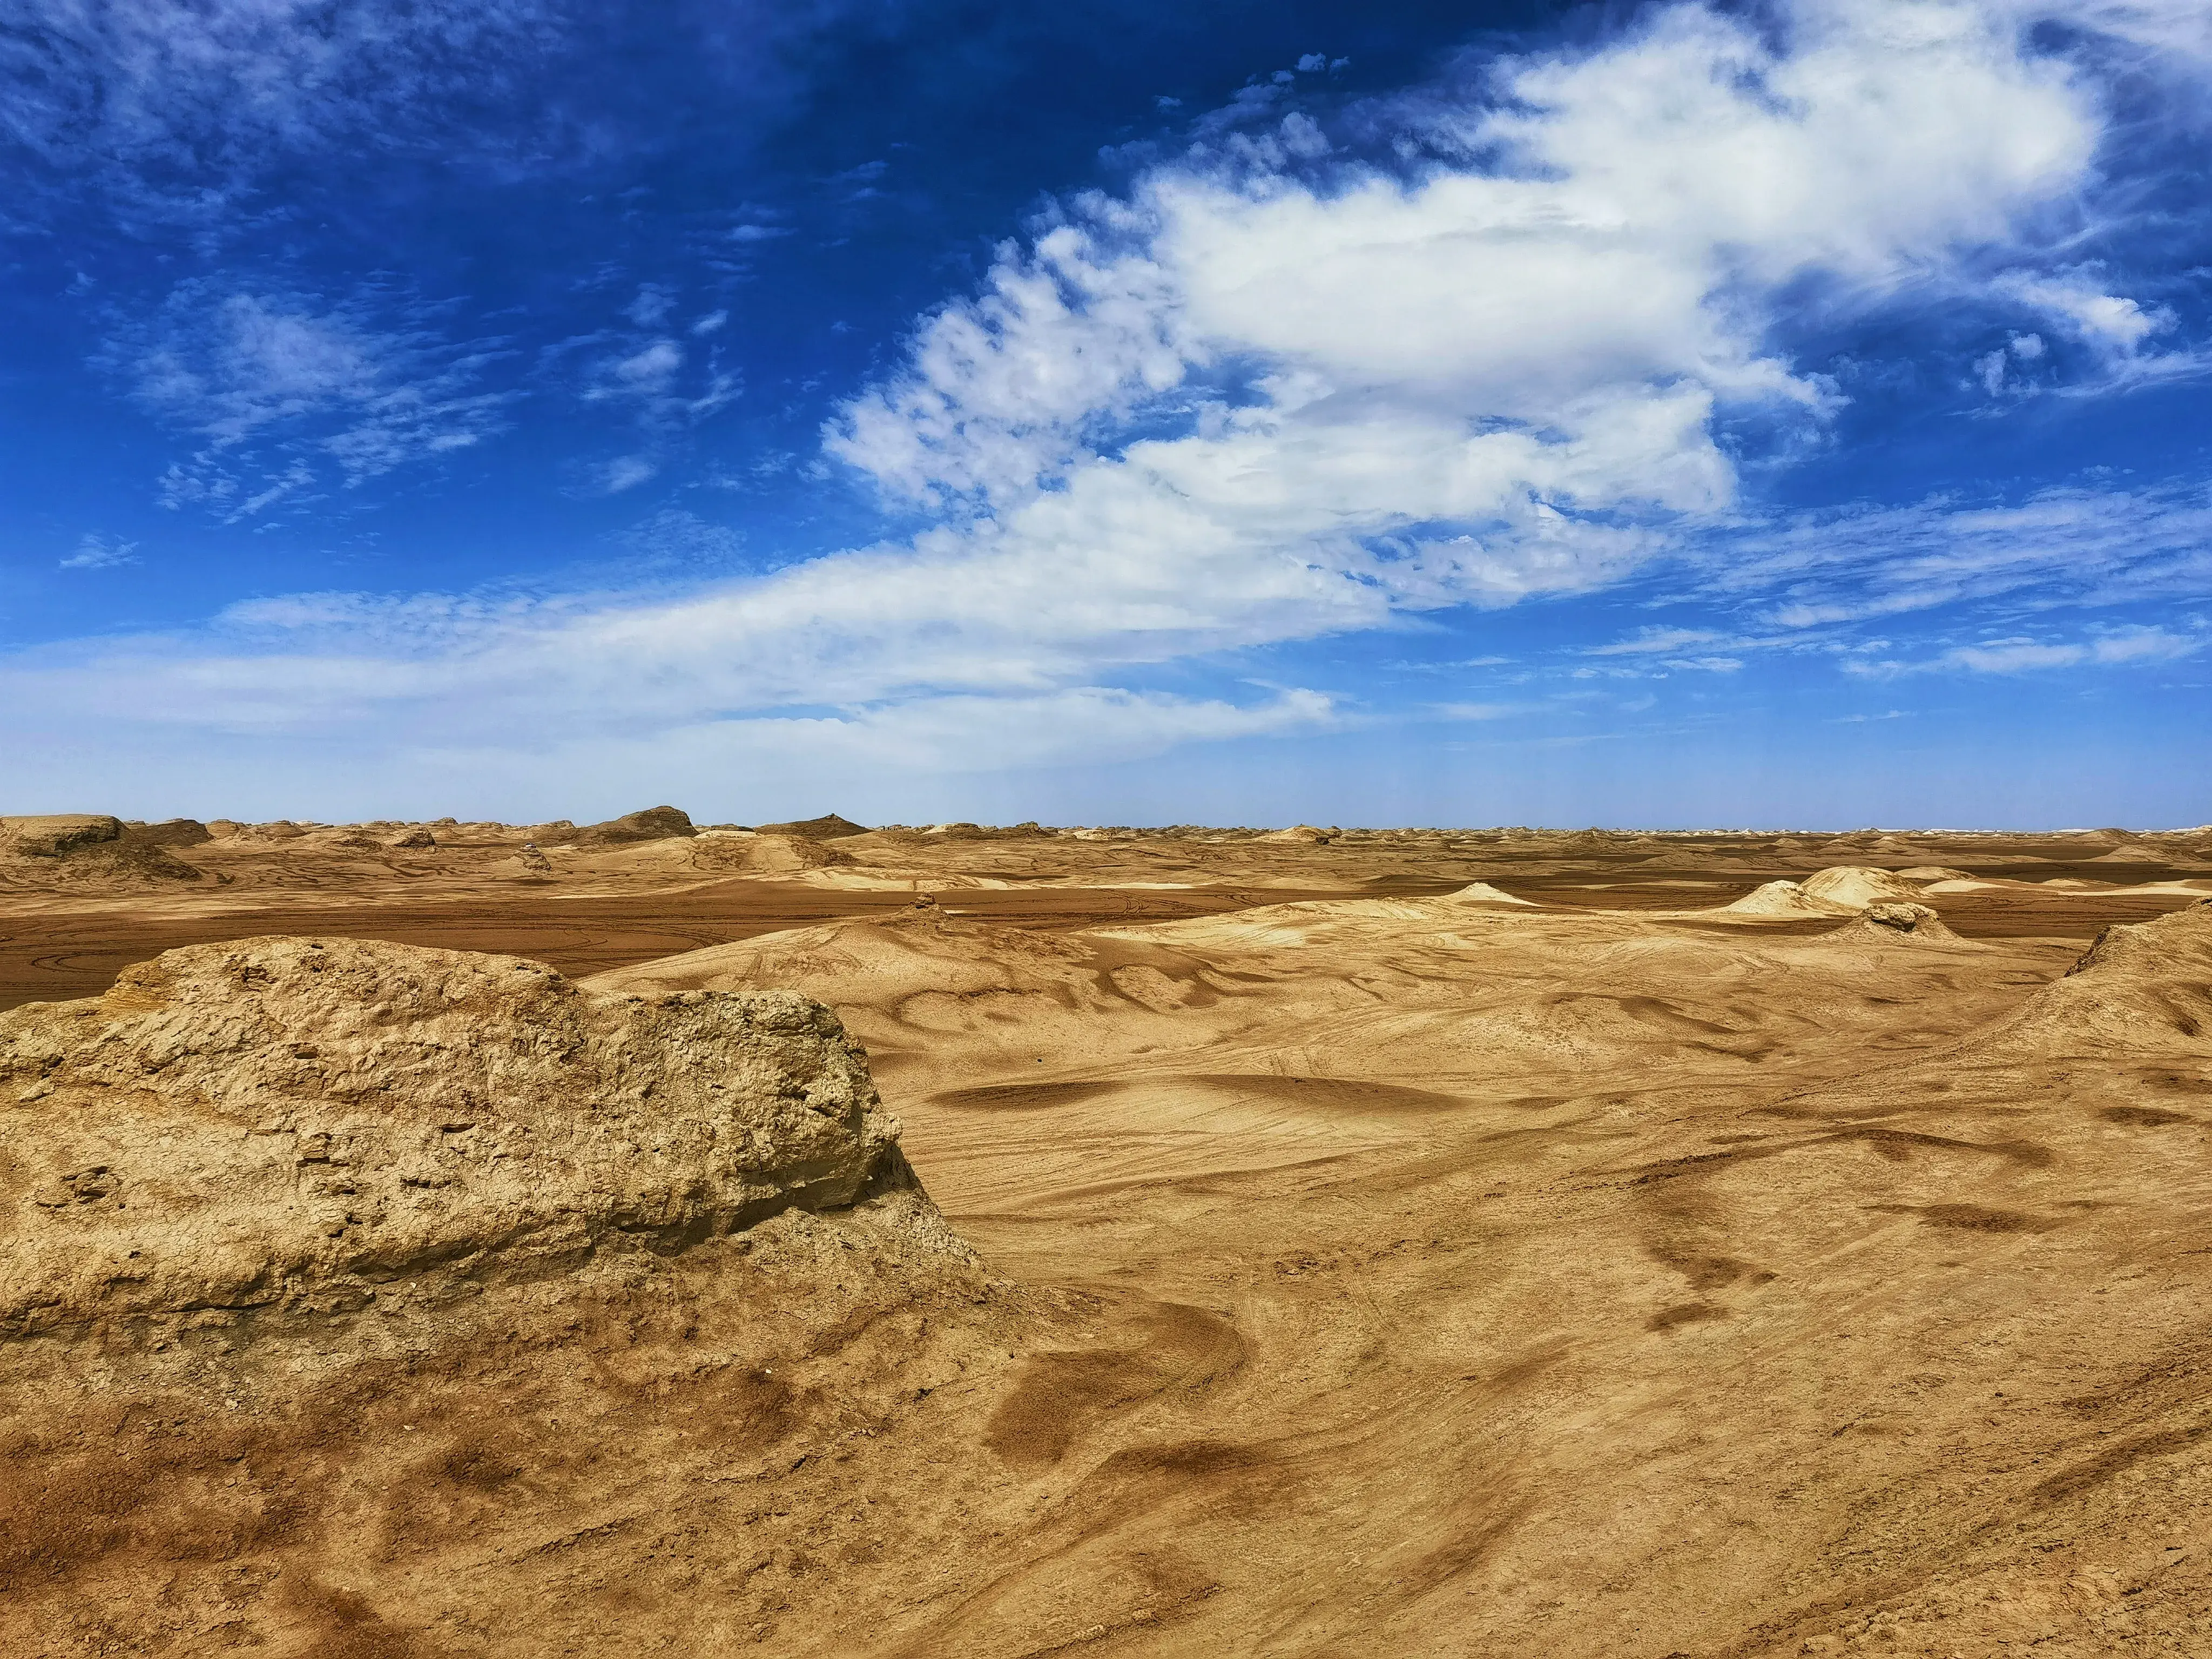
(962, 829)
(461, 1238)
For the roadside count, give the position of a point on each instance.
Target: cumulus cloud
(1493, 374)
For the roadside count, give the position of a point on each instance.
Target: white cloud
(1655, 641)
(650, 308)
(1275, 393)
(1473, 711)
(1489, 379)
(2022, 654)
(654, 375)
(101, 553)
(626, 472)
(650, 370)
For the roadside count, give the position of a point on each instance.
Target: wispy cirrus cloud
(284, 388)
(174, 106)
(663, 376)
(2022, 654)
(2073, 545)
(97, 552)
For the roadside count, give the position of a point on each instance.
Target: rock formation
(828, 827)
(286, 1126)
(1898, 919)
(654, 824)
(84, 849)
(170, 832)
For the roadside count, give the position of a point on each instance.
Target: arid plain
(1187, 1241)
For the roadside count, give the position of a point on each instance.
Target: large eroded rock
(297, 1125)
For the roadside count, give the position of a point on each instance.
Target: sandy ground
(1364, 1267)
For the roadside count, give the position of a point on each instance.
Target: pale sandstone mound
(295, 1125)
(1481, 892)
(1303, 835)
(1784, 898)
(1855, 886)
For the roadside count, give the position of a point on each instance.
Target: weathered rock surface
(170, 832)
(1899, 922)
(57, 835)
(290, 1126)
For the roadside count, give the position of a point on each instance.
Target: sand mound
(1857, 885)
(295, 1125)
(1304, 834)
(654, 824)
(2132, 851)
(870, 963)
(1931, 872)
(1784, 898)
(762, 854)
(2141, 988)
(1897, 921)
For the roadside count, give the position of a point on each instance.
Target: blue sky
(1773, 415)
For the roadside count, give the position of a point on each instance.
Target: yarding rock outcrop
(292, 1126)
(86, 849)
